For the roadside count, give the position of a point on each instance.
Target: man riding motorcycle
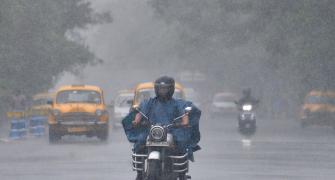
(247, 117)
(162, 110)
(247, 98)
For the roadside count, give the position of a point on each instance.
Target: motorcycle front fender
(154, 155)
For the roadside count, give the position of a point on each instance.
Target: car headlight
(242, 117)
(157, 133)
(247, 107)
(56, 112)
(99, 112)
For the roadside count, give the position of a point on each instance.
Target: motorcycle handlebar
(174, 123)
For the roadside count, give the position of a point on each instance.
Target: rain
(216, 50)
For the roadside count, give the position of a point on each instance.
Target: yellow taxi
(318, 108)
(40, 104)
(78, 110)
(144, 91)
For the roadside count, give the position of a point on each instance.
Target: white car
(224, 103)
(122, 104)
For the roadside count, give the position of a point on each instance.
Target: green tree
(34, 49)
(297, 36)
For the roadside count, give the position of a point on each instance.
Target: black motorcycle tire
(153, 170)
(182, 177)
(54, 136)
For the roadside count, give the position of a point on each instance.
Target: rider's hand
(185, 121)
(135, 123)
(137, 120)
(180, 125)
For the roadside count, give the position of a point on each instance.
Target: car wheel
(53, 135)
(153, 170)
(103, 135)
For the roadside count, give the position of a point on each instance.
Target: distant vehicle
(122, 104)
(246, 118)
(78, 110)
(193, 96)
(40, 104)
(223, 103)
(145, 91)
(318, 109)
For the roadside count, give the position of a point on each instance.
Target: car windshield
(145, 94)
(319, 100)
(38, 102)
(122, 100)
(78, 96)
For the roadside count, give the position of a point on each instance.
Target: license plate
(77, 129)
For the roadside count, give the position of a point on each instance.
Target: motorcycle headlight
(56, 112)
(247, 107)
(157, 133)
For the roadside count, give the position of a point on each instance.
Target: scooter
(247, 119)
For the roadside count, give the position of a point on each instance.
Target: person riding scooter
(247, 116)
(247, 98)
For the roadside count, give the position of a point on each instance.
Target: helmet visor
(163, 90)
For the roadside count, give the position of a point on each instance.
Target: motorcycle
(159, 160)
(247, 119)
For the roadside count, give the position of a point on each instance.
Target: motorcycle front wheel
(182, 177)
(153, 170)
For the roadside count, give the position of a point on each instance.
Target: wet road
(279, 150)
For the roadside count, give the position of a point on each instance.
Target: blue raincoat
(186, 139)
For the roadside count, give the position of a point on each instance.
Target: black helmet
(164, 87)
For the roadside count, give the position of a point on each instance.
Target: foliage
(34, 49)
(297, 37)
